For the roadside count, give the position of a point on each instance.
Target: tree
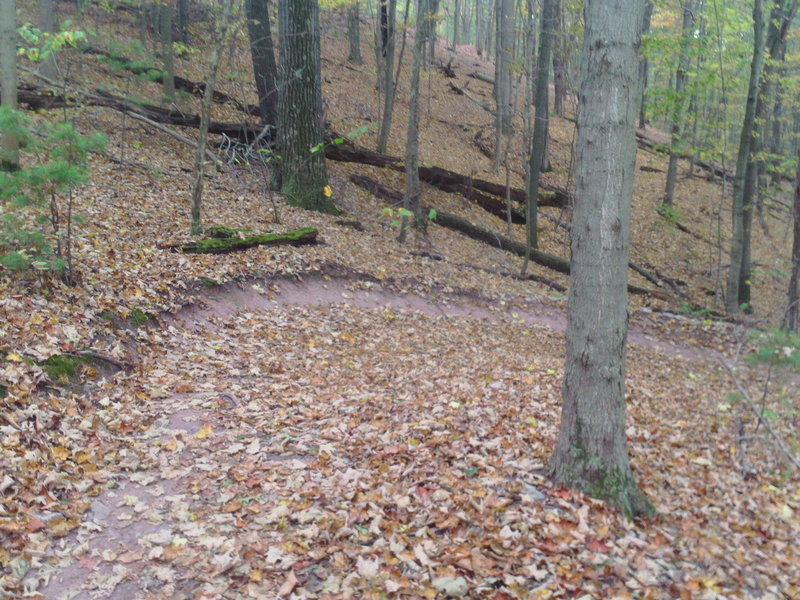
(265, 70)
(791, 319)
(165, 23)
(303, 174)
(559, 61)
(502, 76)
(643, 64)
(681, 78)
(47, 23)
(539, 141)
(354, 33)
(738, 288)
(8, 78)
(387, 78)
(205, 114)
(411, 198)
(591, 452)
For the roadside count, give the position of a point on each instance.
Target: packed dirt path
(331, 438)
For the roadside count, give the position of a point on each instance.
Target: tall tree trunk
(183, 21)
(354, 33)
(262, 52)
(205, 116)
(591, 452)
(738, 287)
(479, 28)
(502, 77)
(47, 23)
(792, 316)
(8, 78)
(304, 178)
(165, 22)
(411, 197)
(538, 145)
(388, 87)
(678, 112)
(643, 64)
(456, 23)
(559, 61)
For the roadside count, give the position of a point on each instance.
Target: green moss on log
(297, 237)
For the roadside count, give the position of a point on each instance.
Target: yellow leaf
(13, 357)
(327, 191)
(60, 453)
(204, 432)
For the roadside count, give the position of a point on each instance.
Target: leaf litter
(365, 444)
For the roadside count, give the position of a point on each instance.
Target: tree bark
(47, 23)
(8, 79)
(387, 78)
(262, 52)
(644, 65)
(792, 316)
(205, 114)
(738, 285)
(591, 452)
(304, 178)
(538, 143)
(411, 197)
(183, 20)
(681, 78)
(502, 76)
(354, 33)
(559, 61)
(165, 23)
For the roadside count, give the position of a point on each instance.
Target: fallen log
(221, 245)
(196, 88)
(483, 234)
(482, 77)
(38, 98)
(444, 179)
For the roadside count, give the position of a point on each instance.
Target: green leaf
(432, 214)
(404, 212)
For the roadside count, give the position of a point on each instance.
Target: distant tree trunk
(538, 145)
(165, 22)
(738, 287)
(388, 87)
(411, 198)
(183, 21)
(47, 23)
(205, 116)
(9, 160)
(262, 53)
(354, 34)
(502, 77)
(644, 65)
(383, 47)
(678, 111)
(479, 28)
(300, 128)
(591, 452)
(559, 62)
(456, 23)
(792, 317)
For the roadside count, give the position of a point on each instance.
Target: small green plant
(39, 195)
(41, 46)
(399, 214)
(672, 214)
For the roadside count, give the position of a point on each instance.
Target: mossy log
(486, 235)
(221, 245)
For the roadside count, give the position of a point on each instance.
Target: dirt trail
(322, 290)
(116, 553)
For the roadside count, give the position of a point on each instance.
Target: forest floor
(353, 419)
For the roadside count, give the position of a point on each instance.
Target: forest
(399, 299)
